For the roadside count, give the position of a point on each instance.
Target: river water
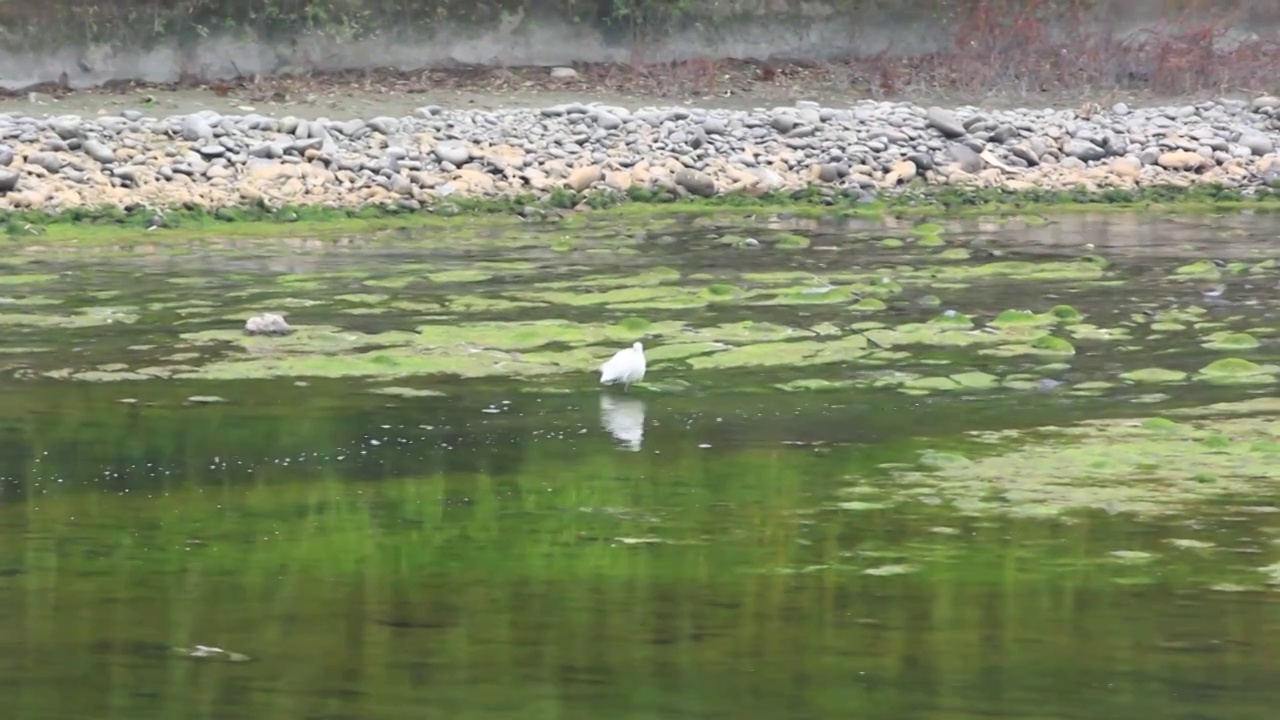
(422, 505)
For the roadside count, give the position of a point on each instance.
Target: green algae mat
(800, 305)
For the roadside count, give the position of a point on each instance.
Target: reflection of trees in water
(359, 592)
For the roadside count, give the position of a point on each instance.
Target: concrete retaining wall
(160, 40)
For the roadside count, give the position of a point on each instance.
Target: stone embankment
(212, 160)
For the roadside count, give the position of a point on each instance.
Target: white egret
(626, 366)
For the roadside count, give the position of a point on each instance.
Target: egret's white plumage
(626, 367)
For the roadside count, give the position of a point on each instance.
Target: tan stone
(264, 171)
(991, 176)
(556, 168)
(640, 174)
(584, 177)
(478, 182)
(537, 179)
(508, 155)
(24, 198)
(903, 171)
(753, 187)
(1183, 161)
(618, 180)
(1126, 167)
(1237, 172)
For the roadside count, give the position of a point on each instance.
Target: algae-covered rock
(1231, 341)
(1154, 375)
(1238, 370)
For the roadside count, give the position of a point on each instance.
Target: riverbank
(133, 169)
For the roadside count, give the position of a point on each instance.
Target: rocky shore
(438, 156)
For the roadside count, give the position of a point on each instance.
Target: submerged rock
(267, 324)
(208, 652)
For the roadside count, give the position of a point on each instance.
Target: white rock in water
(563, 73)
(267, 324)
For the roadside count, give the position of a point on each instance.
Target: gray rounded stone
(195, 128)
(1083, 150)
(46, 160)
(453, 154)
(945, 122)
(99, 151)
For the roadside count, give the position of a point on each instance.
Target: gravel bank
(435, 154)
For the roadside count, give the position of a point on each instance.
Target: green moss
(90, 317)
(1154, 375)
(29, 279)
(1018, 317)
(1231, 341)
(793, 241)
(869, 304)
(813, 385)
(931, 384)
(634, 324)
(799, 352)
(633, 297)
(459, 276)
(1086, 331)
(1238, 369)
(808, 295)
(1051, 345)
(1159, 424)
(394, 283)
(953, 320)
(976, 380)
(1065, 313)
(468, 303)
(1142, 466)
(723, 290)
(362, 298)
(1201, 269)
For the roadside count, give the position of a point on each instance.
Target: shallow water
(197, 526)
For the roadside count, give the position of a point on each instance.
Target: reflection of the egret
(623, 417)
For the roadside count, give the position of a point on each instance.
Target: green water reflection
(742, 538)
(468, 558)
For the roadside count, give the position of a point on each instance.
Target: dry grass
(1026, 48)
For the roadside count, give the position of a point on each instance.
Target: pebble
(433, 153)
